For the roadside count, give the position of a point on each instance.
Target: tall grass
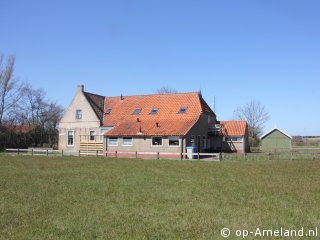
(99, 198)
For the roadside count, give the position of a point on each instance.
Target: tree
(256, 116)
(166, 89)
(41, 114)
(10, 89)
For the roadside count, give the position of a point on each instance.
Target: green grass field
(98, 198)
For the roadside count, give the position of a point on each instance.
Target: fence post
(31, 151)
(313, 156)
(62, 152)
(18, 151)
(79, 153)
(198, 155)
(47, 152)
(136, 155)
(291, 156)
(268, 155)
(245, 156)
(220, 156)
(158, 155)
(181, 156)
(116, 154)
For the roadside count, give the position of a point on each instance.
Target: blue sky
(237, 51)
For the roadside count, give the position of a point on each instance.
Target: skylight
(183, 110)
(108, 111)
(136, 111)
(154, 111)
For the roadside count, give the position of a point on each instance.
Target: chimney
(157, 124)
(121, 97)
(140, 131)
(138, 120)
(80, 88)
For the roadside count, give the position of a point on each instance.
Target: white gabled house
(82, 122)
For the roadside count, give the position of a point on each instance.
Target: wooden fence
(295, 154)
(116, 154)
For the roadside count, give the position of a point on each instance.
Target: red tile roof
(234, 128)
(23, 128)
(170, 121)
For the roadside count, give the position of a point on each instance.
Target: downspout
(182, 142)
(105, 145)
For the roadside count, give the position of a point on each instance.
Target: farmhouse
(159, 122)
(165, 123)
(275, 140)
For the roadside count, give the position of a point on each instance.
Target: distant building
(276, 140)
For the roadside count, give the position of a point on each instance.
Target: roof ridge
(233, 120)
(94, 94)
(154, 94)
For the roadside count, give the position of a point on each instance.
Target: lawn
(99, 198)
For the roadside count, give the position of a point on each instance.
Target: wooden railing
(91, 148)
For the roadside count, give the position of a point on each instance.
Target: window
(136, 111)
(78, 114)
(233, 139)
(109, 110)
(174, 141)
(70, 136)
(154, 111)
(113, 141)
(127, 141)
(92, 135)
(102, 132)
(182, 110)
(157, 141)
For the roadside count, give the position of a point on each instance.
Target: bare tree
(256, 116)
(166, 89)
(9, 87)
(34, 104)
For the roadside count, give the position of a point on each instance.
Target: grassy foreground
(98, 198)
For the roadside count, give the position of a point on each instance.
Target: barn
(276, 140)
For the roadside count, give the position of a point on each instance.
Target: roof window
(136, 111)
(109, 110)
(182, 110)
(154, 111)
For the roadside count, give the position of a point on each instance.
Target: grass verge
(99, 198)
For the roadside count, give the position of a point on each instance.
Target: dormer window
(78, 114)
(182, 110)
(109, 110)
(154, 111)
(137, 111)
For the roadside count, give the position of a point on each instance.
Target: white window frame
(113, 144)
(127, 145)
(78, 115)
(73, 138)
(156, 145)
(94, 135)
(237, 141)
(175, 137)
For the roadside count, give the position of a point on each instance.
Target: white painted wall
(82, 126)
